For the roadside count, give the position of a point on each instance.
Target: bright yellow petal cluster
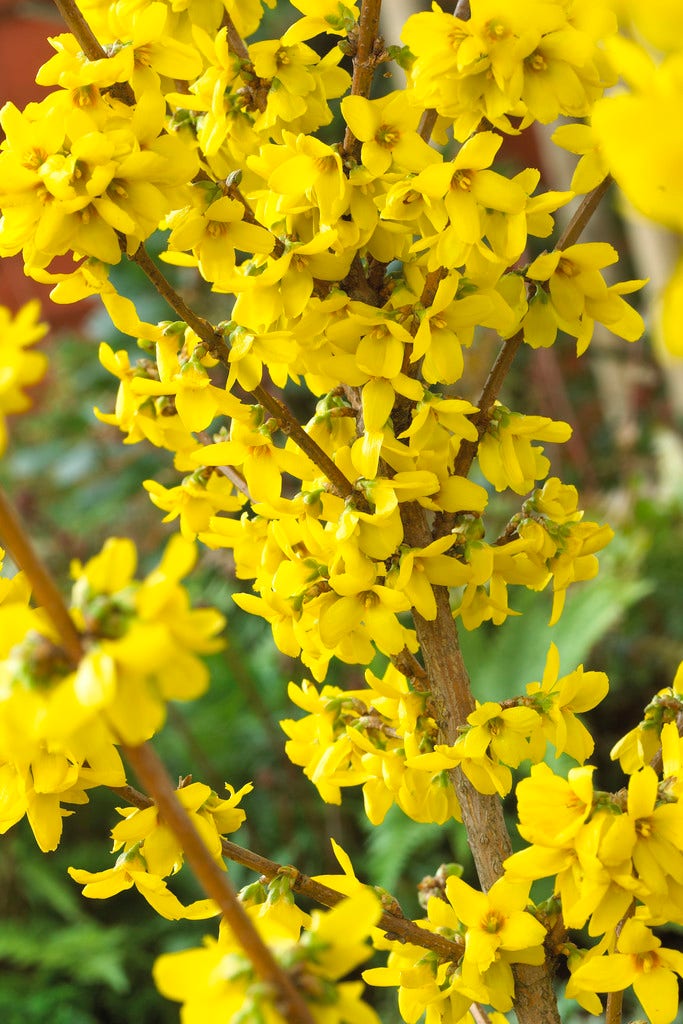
(371, 737)
(503, 63)
(151, 852)
(217, 982)
(60, 722)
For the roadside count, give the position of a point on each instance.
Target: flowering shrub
(364, 272)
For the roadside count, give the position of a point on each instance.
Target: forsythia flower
(498, 931)
(573, 295)
(559, 700)
(640, 961)
(131, 870)
(506, 456)
(151, 851)
(144, 831)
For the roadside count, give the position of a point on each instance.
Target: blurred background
(75, 961)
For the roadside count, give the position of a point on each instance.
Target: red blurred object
(24, 28)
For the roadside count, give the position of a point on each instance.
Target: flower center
(387, 135)
(462, 180)
(493, 922)
(537, 62)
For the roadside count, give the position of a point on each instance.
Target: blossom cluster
(150, 852)
(61, 721)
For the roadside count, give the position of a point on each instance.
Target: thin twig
(80, 29)
(215, 343)
(202, 328)
(153, 775)
(490, 392)
(45, 590)
(229, 472)
(235, 41)
(588, 206)
(394, 926)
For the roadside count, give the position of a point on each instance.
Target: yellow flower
(641, 961)
(552, 810)
(195, 500)
(559, 700)
(467, 186)
(131, 870)
(19, 368)
(497, 926)
(145, 832)
(506, 455)
(252, 450)
(387, 129)
(654, 833)
(579, 295)
(330, 16)
(593, 165)
(213, 229)
(645, 173)
(357, 598)
(216, 983)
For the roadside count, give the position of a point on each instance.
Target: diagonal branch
(235, 41)
(215, 343)
(401, 928)
(153, 775)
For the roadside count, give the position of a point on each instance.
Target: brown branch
(229, 472)
(45, 590)
(487, 400)
(394, 926)
(614, 1007)
(235, 41)
(431, 285)
(482, 815)
(215, 883)
(154, 777)
(291, 426)
(364, 64)
(479, 1014)
(80, 29)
